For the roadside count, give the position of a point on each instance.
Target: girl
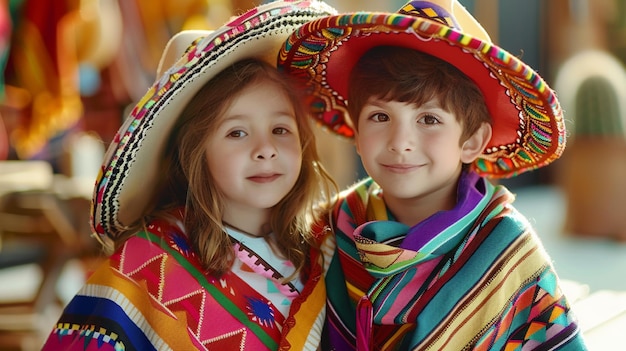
(206, 201)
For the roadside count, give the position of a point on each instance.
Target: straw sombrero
(128, 175)
(528, 128)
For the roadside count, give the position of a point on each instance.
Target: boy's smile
(401, 167)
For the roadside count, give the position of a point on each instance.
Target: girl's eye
(429, 119)
(237, 134)
(379, 117)
(280, 130)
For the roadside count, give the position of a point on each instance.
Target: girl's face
(414, 153)
(254, 153)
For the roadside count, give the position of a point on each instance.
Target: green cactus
(597, 109)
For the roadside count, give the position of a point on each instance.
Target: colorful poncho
(475, 277)
(152, 295)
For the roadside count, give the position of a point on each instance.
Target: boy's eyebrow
(375, 101)
(432, 103)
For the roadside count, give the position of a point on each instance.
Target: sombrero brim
(129, 173)
(527, 120)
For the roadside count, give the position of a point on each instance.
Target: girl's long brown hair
(187, 181)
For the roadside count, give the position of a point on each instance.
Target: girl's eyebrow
(284, 114)
(226, 118)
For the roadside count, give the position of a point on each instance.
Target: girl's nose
(265, 150)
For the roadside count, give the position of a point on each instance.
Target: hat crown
(432, 11)
(447, 12)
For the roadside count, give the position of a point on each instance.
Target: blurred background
(72, 69)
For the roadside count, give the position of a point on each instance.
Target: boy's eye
(379, 117)
(429, 119)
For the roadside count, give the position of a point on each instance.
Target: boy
(431, 255)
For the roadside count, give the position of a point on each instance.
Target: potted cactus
(592, 91)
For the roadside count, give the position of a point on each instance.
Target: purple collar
(470, 190)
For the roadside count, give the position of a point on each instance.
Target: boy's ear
(475, 145)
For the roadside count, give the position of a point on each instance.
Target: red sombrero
(528, 127)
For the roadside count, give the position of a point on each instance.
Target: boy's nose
(401, 139)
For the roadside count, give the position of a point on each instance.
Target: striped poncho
(151, 294)
(473, 278)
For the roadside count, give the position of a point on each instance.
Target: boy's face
(411, 152)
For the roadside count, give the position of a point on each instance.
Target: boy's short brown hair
(393, 73)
